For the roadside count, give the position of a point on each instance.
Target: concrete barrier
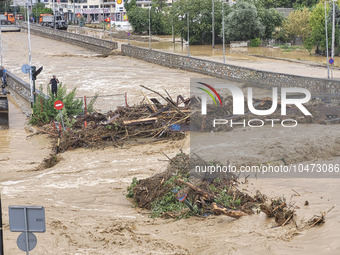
(250, 76)
(91, 43)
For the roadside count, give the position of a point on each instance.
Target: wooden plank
(139, 121)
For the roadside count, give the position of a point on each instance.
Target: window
(84, 6)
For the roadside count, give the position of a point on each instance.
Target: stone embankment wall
(91, 43)
(253, 77)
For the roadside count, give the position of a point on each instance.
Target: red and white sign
(58, 105)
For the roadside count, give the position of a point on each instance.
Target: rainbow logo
(209, 93)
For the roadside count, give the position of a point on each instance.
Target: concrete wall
(95, 44)
(21, 87)
(250, 76)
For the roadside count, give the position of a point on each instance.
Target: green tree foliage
(44, 111)
(39, 8)
(286, 3)
(297, 24)
(129, 5)
(317, 37)
(200, 19)
(139, 19)
(270, 19)
(243, 22)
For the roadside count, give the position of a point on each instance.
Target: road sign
(25, 68)
(21, 241)
(331, 61)
(58, 105)
(27, 218)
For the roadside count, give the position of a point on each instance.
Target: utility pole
(333, 34)
(1, 233)
(53, 14)
(150, 28)
(223, 32)
(103, 18)
(110, 23)
(326, 39)
(1, 61)
(213, 23)
(188, 34)
(172, 25)
(29, 55)
(74, 12)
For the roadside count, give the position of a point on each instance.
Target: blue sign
(331, 61)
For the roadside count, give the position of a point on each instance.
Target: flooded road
(18, 152)
(84, 195)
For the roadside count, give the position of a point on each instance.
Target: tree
(139, 19)
(270, 19)
(39, 8)
(200, 19)
(243, 22)
(297, 24)
(129, 5)
(317, 26)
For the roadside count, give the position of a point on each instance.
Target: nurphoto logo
(238, 99)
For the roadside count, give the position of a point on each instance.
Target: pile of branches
(150, 119)
(163, 194)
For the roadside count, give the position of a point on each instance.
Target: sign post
(1, 235)
(27, 219)
(58, 105)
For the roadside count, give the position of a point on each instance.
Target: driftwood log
(222, 210)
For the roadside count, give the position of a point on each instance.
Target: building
(91, 10)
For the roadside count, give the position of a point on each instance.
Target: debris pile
(150, 119)
(175, 193)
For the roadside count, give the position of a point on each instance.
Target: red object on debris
(58, 105)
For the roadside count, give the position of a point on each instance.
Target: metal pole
(74, 12)
(172, 25)
(54, 14)
(29, 53)
(110, 23)
(1, 234)
(326, 42)
(213, 23)
(150, 28)
(333, 35)
(188, 35)
(223, 32)
(103, 17)
(26, 230)
(1, 46)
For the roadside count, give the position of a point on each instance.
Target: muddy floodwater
(84, 194)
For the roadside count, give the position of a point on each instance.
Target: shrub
(256, 42)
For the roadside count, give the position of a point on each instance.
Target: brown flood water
(84, 195)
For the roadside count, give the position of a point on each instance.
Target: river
(84, 195)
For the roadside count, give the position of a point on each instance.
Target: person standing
(3, 75)
(54, 85)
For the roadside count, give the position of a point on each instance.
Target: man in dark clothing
(3, 76)
(54, 85)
